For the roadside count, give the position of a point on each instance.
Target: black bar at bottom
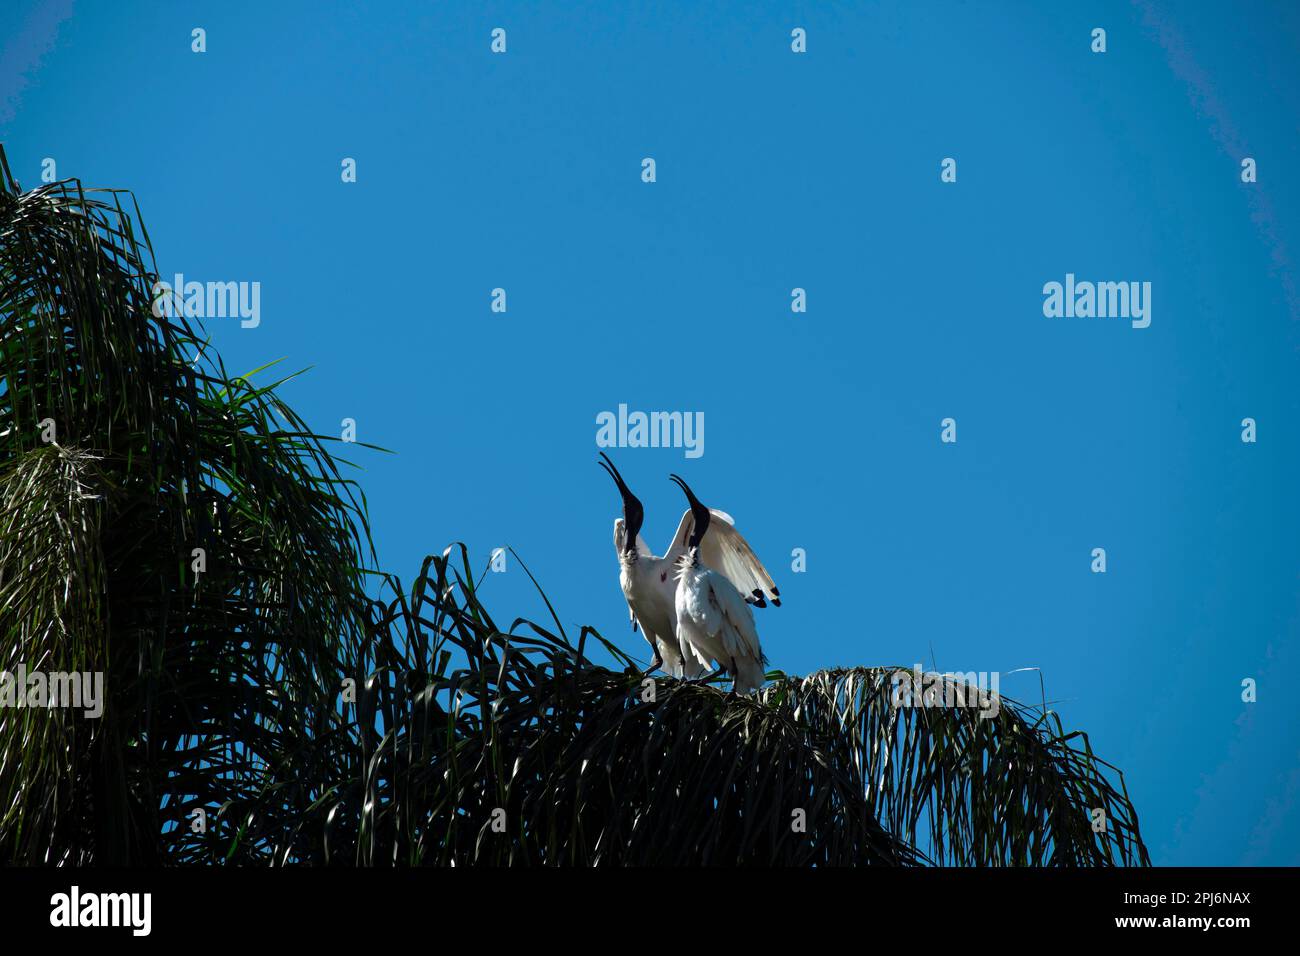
(339, 906)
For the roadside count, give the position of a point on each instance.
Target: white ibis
(648, 585)
(714, 621)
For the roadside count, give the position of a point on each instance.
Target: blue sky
(775, 171)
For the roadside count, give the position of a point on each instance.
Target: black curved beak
(608, 465)
(633, 513)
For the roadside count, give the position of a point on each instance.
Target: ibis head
(633, 513)
(700, 513)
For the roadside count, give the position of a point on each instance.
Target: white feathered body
(649, 587)
(715, 623)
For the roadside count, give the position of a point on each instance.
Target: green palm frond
(120, 455)
(969, 776)
(480, 746)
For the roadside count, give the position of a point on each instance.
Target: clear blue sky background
(822, 430)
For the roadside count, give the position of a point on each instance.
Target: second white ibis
(714, 619)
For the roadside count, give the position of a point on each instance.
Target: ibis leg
(657, 663)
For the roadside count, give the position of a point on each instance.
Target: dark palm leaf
(577, 764)
(217, 683)
(970, 782)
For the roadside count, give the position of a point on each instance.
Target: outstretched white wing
(725, 549)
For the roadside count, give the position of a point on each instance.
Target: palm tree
(182, 532)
